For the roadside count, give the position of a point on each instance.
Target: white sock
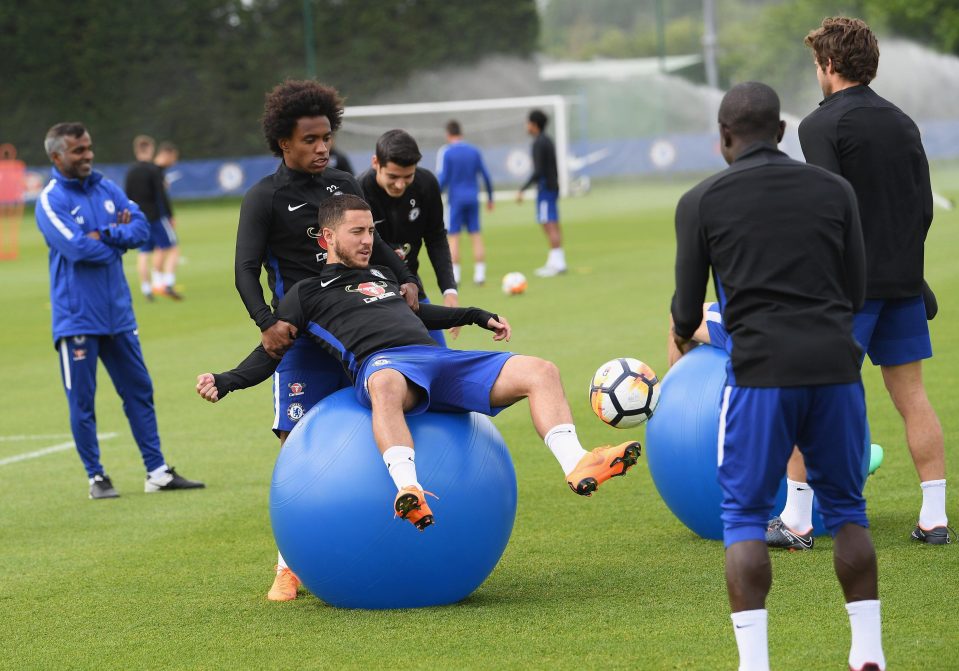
(556, 259)
(479, 272)
(933, 511)
(146, 287)
(280, 562)
(402, 468)
(563, 443)
(797, 513)
(456, 272)
(866, 634)
(169, 279)
(157, 473)
(157, 277)
(751, 639)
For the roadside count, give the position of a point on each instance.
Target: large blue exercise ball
(682, 443)
(331, 506)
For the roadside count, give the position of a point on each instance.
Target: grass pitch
(179, 580)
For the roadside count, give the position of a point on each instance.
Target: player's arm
(437, 317)
(64, 235)
(539, 164)
(442, 176)
(819, 143)
(131, 228)
(437, 244)
(692, 273)
(251, 240)
(163, 197)
(250, 372)
(486, 180)
(854, 251)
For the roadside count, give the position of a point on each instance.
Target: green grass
(179, 581)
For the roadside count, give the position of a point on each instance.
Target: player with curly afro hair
(295, 99)
(278, 233)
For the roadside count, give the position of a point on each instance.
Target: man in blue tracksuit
(88, 223)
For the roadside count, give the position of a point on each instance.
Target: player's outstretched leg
(539, 381)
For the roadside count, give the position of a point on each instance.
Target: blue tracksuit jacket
(89, 293)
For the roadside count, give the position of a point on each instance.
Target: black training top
(785, 246)
(279, 230)
(352, 313)
(877, 147)
(145, 187)
(545, 175)
(414, 218)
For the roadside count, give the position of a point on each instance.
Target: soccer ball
(624, 392)
(514, 283)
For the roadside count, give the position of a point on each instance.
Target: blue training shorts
(718, 335)
(757, 430)
(162, 235)
(546, 206)
(464, 213)
(306, 375)
(452, 380)
(893, 331)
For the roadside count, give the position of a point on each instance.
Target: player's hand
(684, 345)
(500, 328)
(489, 205)
(411, 293)
(124, 217)
(400, 253)
(278, 338)
(519, 196)
(206, 387)
(452, 301)
(95, 235)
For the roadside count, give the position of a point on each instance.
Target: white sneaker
(548, 271)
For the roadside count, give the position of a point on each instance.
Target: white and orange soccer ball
(514, 283)
(624, 392)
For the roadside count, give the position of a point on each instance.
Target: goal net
(496, 126)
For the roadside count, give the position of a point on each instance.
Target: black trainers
(172, 293)
(934, 536)
(778, 535)
(102, 488)
(169, 481)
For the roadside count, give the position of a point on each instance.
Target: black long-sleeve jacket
(352, 313)
(545, 173)
(413, 220)
(785, 246)
(278, 230)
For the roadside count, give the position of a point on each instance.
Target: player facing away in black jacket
(784, 243)
(277, 232)
(355, 312)
(407, 207)
(877, 147)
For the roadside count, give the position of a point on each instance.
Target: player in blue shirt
(458, 167)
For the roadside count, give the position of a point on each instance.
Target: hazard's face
(351, 240)
(76, 159)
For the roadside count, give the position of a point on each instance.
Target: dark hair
(53, 142)
(167, 146)
(750, 110)
(849, 44)
(332, 210)
(453, 127)
(399, 147)
(539, 119)
(293, 100)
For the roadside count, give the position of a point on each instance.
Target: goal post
(487, 123)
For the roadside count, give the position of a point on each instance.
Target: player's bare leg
(479, 258)
(556, 259)
(143, 271)
(539, 381)
(454, 242)
(391, 394)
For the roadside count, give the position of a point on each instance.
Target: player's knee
(386, 387)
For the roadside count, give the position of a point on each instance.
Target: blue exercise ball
(331, 506)
(682, 443)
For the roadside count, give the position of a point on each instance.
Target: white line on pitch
(38, 436)
(60, 447)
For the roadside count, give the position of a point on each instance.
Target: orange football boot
(601, 464)
(284, 585)
(410, 504)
